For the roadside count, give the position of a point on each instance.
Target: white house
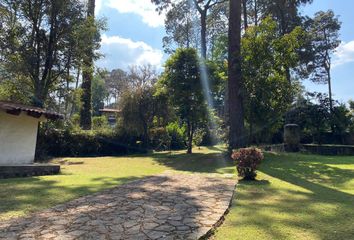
(18, 132)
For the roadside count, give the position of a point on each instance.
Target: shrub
(177, 135)
(160, 140)
(248, 160)
(99, 122)
(199, 136)
(78, 143)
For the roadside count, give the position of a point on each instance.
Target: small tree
(138, 111)
(181, 81)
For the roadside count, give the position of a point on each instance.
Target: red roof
(16, 109)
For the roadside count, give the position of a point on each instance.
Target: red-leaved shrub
(248, 160)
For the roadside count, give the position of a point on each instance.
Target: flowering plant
(248, 160)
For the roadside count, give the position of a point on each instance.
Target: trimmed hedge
(329, 149)
(328, 138)
(340, 150)
(65, 143)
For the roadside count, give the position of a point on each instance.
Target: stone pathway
(168, 206)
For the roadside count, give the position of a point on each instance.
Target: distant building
(111, 114)
(18, 132)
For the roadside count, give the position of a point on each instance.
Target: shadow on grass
(257, 182)
(311, 168)
(149, 200)
(20, 196)
(212, 161)
(31, 194)
(318, 207)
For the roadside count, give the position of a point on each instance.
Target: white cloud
(98, 6)
(144, 8)
(122, 52)
(344, 54)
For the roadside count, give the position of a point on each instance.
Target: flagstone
(167, 206)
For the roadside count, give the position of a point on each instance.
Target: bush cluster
(160, 139)
(248, 160)
(68, 143)
(177, 136)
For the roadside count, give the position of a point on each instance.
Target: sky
(135, 32)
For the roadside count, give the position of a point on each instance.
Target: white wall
(18, 135)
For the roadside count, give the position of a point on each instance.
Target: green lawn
(20, 196)
(296, 197)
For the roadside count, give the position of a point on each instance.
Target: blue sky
(135, 33)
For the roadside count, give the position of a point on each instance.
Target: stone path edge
(218, 224)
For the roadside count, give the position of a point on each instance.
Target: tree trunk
(330, 90)
(328, 69)
(87, 75)
(44, 82)
(250, 141)
(255, 13)
(288, 75)
(190, 138)
(236, 112)
(203, 33)
(245, 18)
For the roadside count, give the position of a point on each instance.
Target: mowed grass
(21, 196)
(296, 197)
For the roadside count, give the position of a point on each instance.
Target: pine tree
(236, 111)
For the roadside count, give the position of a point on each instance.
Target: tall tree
(87, 73)
(181, 27)
(235, 92)
(143, 76)
(268, 93)
(245, 14)
(285, 12)
(202, 8)
(35, 42)
(324, 31)
(181, 82)
(116, 83)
